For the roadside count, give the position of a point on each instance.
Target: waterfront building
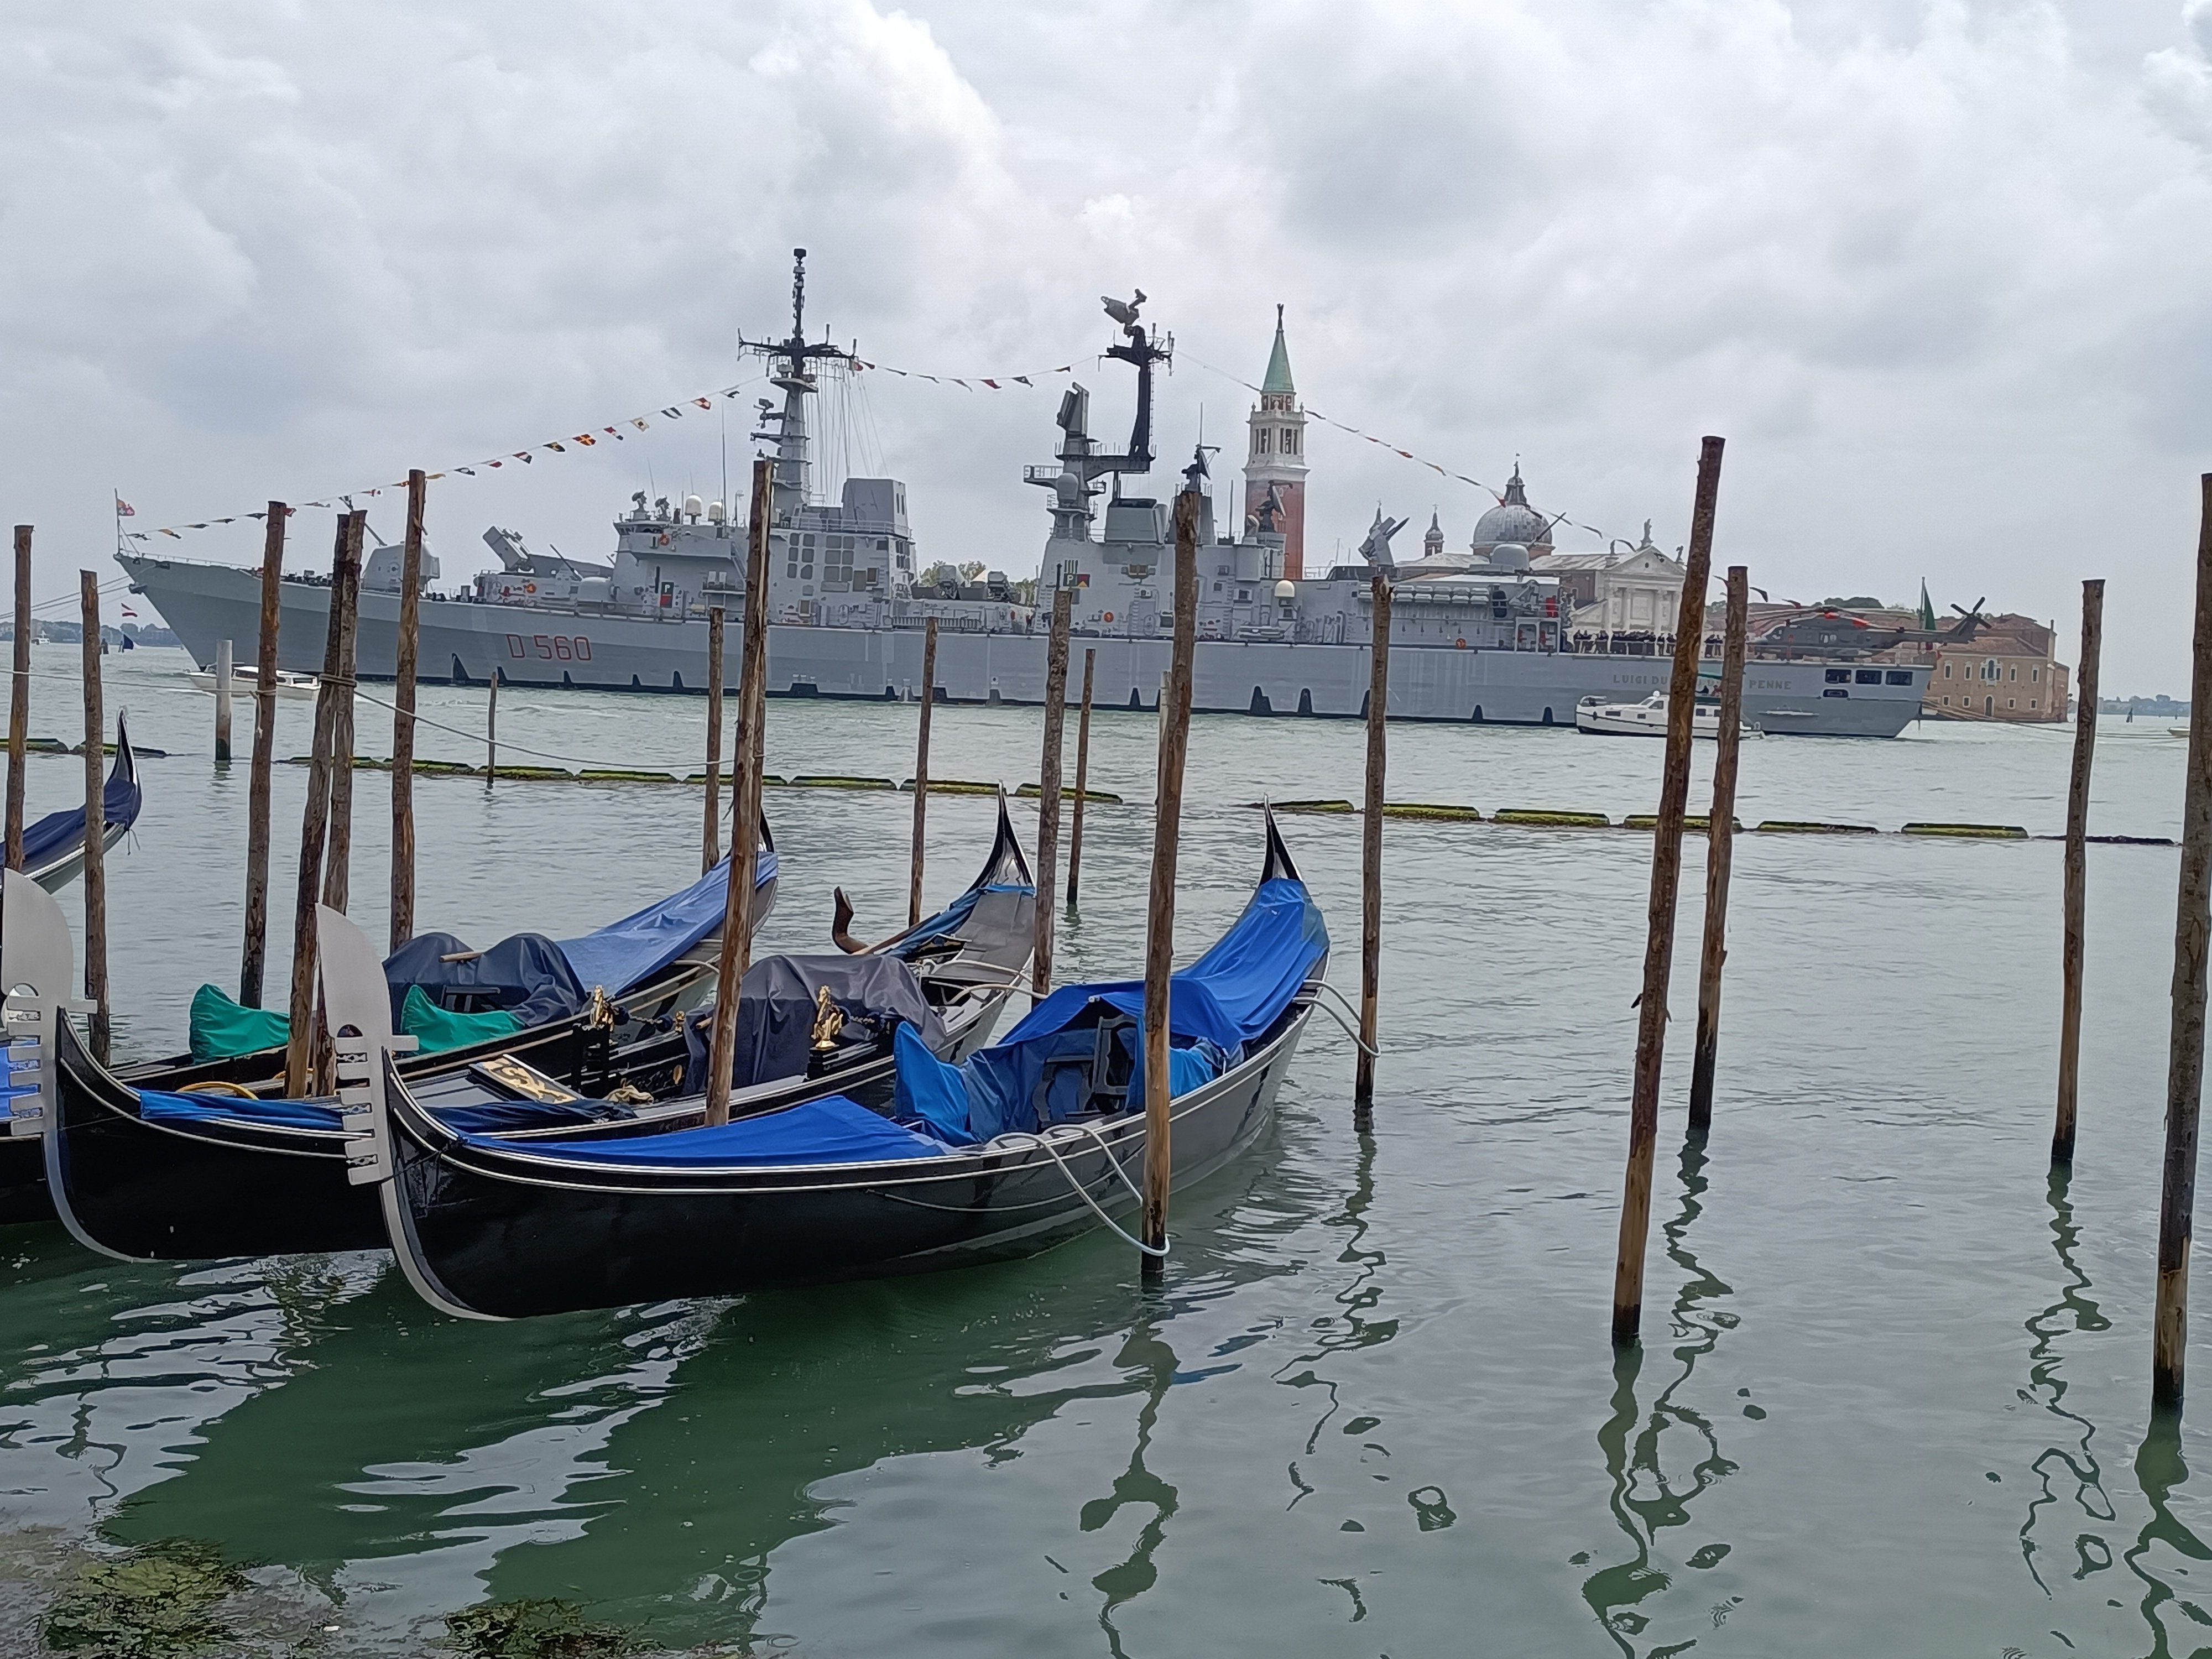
(2009, 671)
(1636, 590)
(1275, 461)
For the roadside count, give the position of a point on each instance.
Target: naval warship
(1481, 636)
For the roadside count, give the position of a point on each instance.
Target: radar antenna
(791, 357)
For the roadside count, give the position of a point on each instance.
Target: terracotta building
(2007, 672)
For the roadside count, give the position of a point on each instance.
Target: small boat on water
(53, 847)
(152, 1175)
(1598, 718)
(246, 682)
(1024, 1143)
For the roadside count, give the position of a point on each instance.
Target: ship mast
(792, 360)
(1080, 462)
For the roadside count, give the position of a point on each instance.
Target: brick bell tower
(1276, 459)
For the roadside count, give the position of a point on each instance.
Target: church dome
(1514, 520)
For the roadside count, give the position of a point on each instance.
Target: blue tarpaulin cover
(1225, 1000)
(488, 1118)
(626, 953)
(830, 1130)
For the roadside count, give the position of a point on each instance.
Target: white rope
(1349, 1030)
(1158, 1253)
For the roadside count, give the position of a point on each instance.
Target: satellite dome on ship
(1513, 521)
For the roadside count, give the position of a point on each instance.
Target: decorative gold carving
(828, 1020)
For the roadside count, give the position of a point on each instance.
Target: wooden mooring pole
(95, 820)
(1720, 852)
(745, 802)
(710, 842)
(922, 769)
(491, 732)
(345, 595)
(1082, 779)
(2185, 1065)
(253, 964)
(1160, 919)
(1666, 876)
(224, 667)
(1370, 849)
(314, 831)
(403, 715)
(1055, 726)
(2074, 903)
(19, 699)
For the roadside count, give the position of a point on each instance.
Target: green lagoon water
(1892, 1395)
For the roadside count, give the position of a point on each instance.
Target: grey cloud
(1936, 271)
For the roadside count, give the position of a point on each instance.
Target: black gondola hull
(23, 1195)
(506, 1237)
(187, 1192)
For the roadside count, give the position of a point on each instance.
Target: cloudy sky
(1942, 274)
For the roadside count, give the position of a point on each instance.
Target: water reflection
(1645, 1502)
(115, 1375)
(2071, 1461)
(1146, 1354)
(2162, 1471)
(411, 1436)
(1353, 1328)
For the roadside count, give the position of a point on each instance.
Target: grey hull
(464, 643)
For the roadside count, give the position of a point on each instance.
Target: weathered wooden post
(19, 699)
(253, 965)
(345, 596)
(95, 820)
(491, 732)
(1056, 726)
(1720, 851)
(1159, 920)
(2077, 877)
(403, 714)
(1370, 849)
(1665, 874)
(2185, 1065)
(922, 769)
(314, 831)
(223, 669)
(710, 843)
(1082, 779)
(745, 801)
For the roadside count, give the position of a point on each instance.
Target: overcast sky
(1940, 274)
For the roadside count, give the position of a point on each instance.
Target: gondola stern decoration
(358, 1007)
(37, 963)
(1278, 867)
(1009, 842)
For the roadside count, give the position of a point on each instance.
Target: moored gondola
(185, 1175)
(1033, 1139)
(53, 847)
(54, 856)
(659, 961)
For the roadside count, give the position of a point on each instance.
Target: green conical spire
(1279, 362)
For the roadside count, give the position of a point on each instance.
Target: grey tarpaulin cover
(526, 975)
(775, 1011)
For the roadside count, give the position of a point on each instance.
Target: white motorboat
(246, 682)
(1647, 719)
